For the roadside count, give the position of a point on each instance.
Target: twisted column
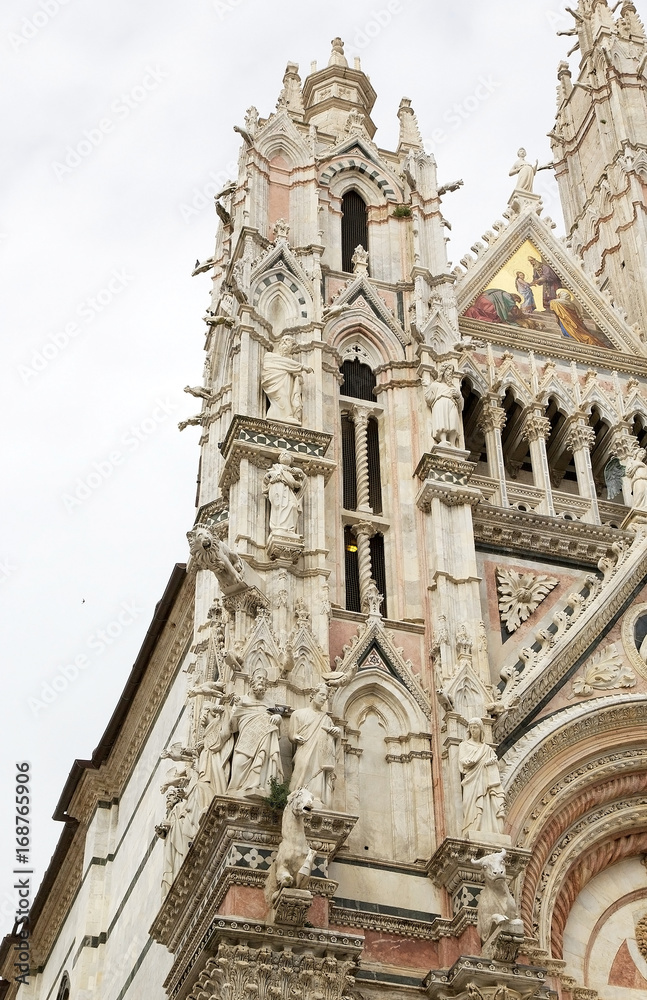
(363, 532)
(360, 415)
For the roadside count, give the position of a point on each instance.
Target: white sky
(113, 226)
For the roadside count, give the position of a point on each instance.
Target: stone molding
(469, 975)
(567, 728)
(595, 794)
(628, 624)
(575, 634)
(453, 862)
(521, 531)
(261, 441)
(255, 958)
(195, 895)
(386, 923)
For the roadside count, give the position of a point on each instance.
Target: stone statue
(214, 749)
(446, 403)
(294, 858)
(284, 487)
(174, 831)
(524, 171)
(257, 756)
(210, 552)
(636, 473)
(313, 734)
(500, 928)
(483, 797)
(281, 381)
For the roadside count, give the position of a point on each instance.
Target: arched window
(354, 227)
(353, 602)
(64, 988)
(359, 380)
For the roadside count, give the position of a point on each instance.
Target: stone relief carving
(483, 796)
(498, 923)
(598, 602)
(446, 404)
(281, 381)
(256, 757)
(314, 736)
(603, 672)
(520, 594)
(294, 860)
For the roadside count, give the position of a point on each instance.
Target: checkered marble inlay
(241, 855)
(286, 444)
(468, 895)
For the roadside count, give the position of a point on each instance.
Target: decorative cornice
(453, 862)
(509, 530)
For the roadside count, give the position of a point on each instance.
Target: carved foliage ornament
(604, 672)
(520, 594)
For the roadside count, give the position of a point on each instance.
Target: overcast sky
(116, 117)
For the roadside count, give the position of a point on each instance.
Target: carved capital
(365, 528)
(623, 444)
(579, 436)
(535, 427)
(492, 418)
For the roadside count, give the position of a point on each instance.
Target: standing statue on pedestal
(214, 748)
(483, 796)
(446, 403)
(281, 381)
(313, 734)
(257, 757)
(174, 831)
(284, 487)
(524, 171)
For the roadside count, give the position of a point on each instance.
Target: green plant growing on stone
(402, 212)
(278, 796)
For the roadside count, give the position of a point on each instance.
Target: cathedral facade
(386, 733)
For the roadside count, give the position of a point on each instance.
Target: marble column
(536, 430)
(363, 532)
(360, 416)
(492, 421)
(580, 438)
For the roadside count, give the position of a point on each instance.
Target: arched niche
(385, 778)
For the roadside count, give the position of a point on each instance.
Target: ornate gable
(525, 280)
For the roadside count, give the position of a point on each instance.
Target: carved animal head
(493, 866)
(300, 802)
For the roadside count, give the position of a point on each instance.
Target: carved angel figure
(520, 594)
